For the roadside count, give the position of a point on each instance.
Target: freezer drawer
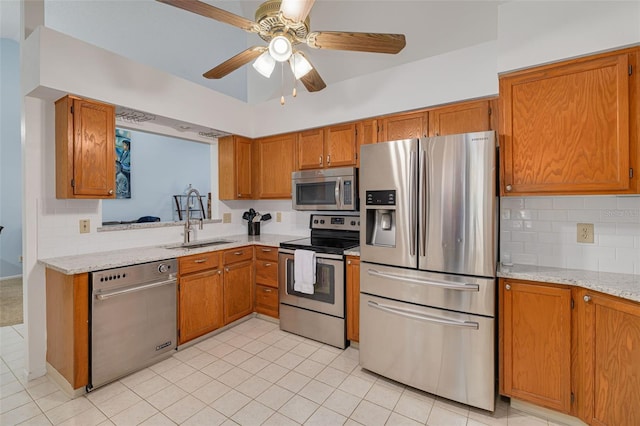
(454, 292)
(445, 353)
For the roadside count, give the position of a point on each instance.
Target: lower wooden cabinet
(608, 359)
(536, 343)
(238, 283)
(200, 298)
(353, 298)
(267, 281)
(583, 361)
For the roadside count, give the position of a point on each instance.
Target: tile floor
(252, 374)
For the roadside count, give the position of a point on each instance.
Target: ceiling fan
(283, 24)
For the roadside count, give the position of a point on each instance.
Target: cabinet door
(353, 298)
(200, 304)
(238, 290)
(275, 163)
(311, 149)
(340, 145)
(234, 168)
(404, 126)
(609, 359)
(535, 323)
(85, 149)
(461, 118)
(565, 128)
(367, 132)
(267, 301)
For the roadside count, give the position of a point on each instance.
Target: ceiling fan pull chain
(281, 83)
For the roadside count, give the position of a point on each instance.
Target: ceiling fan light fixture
(265, 64)
(280, 48)
(300, 66)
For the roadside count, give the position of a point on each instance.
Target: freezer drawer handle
(424, 317)
(107, 295)
(435, 283)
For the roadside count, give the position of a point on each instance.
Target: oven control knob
(163, 268)
(315, 220)
(321, 221)
(353, 222)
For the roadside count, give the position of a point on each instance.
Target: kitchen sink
(199, 244)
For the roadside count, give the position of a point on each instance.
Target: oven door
(328, 295)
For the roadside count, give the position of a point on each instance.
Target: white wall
(10, 166)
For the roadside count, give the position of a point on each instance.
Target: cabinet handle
(111, 192)
(509, 187)
(328, 159)
(199, 260)
(267, 290)
(587, 298)
(219, 272)
(226, 269)
(348, 262)
(266, 250)
(320, 160)
(239, 195)
(239, 253)
(507, 287)
(267, 264)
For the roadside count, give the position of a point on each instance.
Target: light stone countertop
(353, 252)
(626, 286)
(90, 262)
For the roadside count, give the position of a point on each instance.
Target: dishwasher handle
(450, 285)
(423, 317)
(128, 290)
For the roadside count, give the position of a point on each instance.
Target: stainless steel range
(319, 312)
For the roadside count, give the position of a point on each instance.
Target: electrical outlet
(585, 233)
(84, 226)
(226, 217)
(279, 217)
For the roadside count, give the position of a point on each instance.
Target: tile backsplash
(543, 231)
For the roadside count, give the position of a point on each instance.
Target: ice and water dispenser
(381, 218)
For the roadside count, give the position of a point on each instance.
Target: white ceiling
(186, 44)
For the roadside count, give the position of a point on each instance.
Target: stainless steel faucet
(187, 222)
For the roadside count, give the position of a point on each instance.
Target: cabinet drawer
(267, 301)
(267, 253)
(237, 255)
(267, 273)
(198, 262)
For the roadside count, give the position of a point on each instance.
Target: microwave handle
(338, 191)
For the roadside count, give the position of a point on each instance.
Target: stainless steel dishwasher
(133, 319)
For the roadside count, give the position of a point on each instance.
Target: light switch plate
(585, 233)
(279, 217)
(85, 226)
(226, 217)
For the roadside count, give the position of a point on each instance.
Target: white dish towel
(304, 271)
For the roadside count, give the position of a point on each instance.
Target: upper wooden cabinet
(535, 330)
(85, 149)
(275, 157)
(235, 168)
(403, 126)
(571, 128)
(464, 117)
(333, 146)
(366, 133)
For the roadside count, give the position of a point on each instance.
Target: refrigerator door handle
(412, 202)
(423, 201)
(423, 317)
(449, 285)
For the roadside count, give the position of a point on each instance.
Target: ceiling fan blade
(234, 63)
(312, 81)
(296, 10)
(213, 12)
(360, 42)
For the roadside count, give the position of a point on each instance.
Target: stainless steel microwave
(325, 189)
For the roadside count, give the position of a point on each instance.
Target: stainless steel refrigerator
(428, 261)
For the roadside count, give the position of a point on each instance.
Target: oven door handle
(423, 317)
(109, 294)
(449, 285)
(318, 255)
